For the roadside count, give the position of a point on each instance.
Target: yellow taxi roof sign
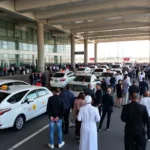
(4, 87)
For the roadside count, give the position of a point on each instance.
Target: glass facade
(18, 45)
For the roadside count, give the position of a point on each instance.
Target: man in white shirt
(141, 76)
(12, 68)
(146, 102)
(118, 77)
(57, 68)
(126, 72)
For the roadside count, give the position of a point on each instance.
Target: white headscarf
(88, 99)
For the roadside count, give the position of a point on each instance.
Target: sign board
(79, 53)
(126, 59)
(92, 59)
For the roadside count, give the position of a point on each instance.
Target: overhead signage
(126, 59)
(79, 53)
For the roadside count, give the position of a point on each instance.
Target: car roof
(109, 72)
(100, 68)
(63, 72)
(88, 75)
(19, 88)
(2, 81)
(82, 67)
(113, 69)
(84, 74)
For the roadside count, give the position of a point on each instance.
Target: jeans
(59, 130)
(125, 98)
(113, 87)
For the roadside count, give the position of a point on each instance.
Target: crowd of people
(92, 106)
(38, 79)
(13, 69)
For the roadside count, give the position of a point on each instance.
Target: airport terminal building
(46, 31)
(18, 45)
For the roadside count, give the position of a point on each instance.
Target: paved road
(112, 140)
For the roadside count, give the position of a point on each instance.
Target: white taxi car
(21, 103)
(116, 70)
(104, 66)
(108, 74)
(9, 82)
(93, 67)
(81, 82)
(61, 79)
(98, 72)
(84, 70)
(116, 66)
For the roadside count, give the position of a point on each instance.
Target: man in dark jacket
(98, 98)
(133, 89)
(112, 83)
(68, 98)
(143, 87)
(31, 78)
(89, 91)
(104, 86)
(135, 116)
(55, 110)
(107, 105)
(43, 78)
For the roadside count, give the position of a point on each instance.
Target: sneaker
(51, 146)
(108, 129)
(61, 145)
(148, 140)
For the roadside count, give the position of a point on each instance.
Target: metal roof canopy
(98, 20)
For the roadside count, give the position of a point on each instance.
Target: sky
(121, 49)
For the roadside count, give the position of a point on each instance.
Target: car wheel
(19, 122)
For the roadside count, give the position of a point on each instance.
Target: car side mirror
(29, 100)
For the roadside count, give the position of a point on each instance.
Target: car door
(43, 97)
(30, 109)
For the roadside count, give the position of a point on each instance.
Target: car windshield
(124, 68)
(81, 69)
(92, 67)
(102, 66)
(77, 88)
(129, 64)
(83, 78)
(59, 75)
(107, 74)
(99, 70)
(116, 66)
(3, 96)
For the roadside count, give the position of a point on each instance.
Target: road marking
(28, 138)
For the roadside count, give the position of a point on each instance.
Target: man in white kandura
(88, 115)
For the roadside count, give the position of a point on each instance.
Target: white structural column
(40, 47)
(85, 51)
(95, 52)
(72, 50)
